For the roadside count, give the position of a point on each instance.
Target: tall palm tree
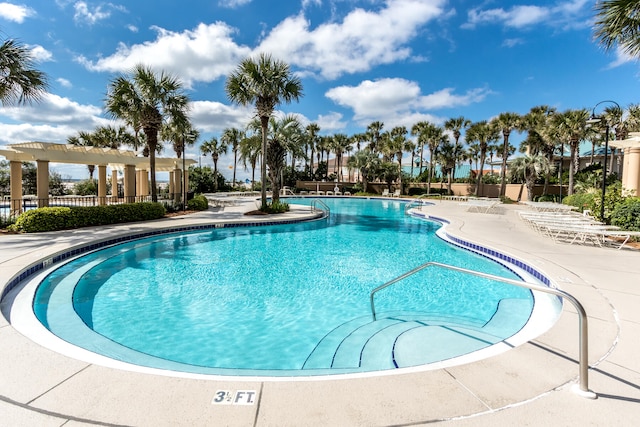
(146, 99)
(483, 133)
(232, 137)
(113, 137)
(447, 159)
(541, 135)
(529, 168)
(433, 136)
(618, 23)
(265, 82)
(572, 125)
(420, 130)
(396, 145)
(20, 83)
(180, 134)
(285, 135)
(506, 123)
(456, 126)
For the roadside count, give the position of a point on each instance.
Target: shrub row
(61, 218)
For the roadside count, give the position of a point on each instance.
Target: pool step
(399, 339)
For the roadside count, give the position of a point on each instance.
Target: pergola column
(633, 175)
(138, 182)
(177, 185)
(186, 181)
(102, 184)
(144, 177)
(625, 165)
(114, 185)
(15, 178)
(172, 189)
(42, 183)
(129, 183)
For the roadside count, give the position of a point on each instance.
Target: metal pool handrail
(323, 205)
(582, 314)
(420, 201)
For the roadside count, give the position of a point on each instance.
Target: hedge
(198, 203)
(62, 218)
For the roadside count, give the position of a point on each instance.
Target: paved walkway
(529, 385)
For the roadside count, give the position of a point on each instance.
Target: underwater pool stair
(404, 339)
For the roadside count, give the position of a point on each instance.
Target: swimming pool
(284, 300)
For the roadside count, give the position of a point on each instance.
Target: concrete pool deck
(529, 385)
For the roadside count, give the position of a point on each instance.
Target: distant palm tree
(420, 130)
(618, 23)
(374, 135)
(146, 100)
(285, 135)
(506, 123)
(312, 130)
(572, 125)
(250, 149)
(447, 159)
(215, 148)
(84, 139)
(529, 168)
(20, 83)
(541, 135)
(232, 137)
(484, 134)
(340, 144)
(265, 82)
(456, 126)
(365, 161)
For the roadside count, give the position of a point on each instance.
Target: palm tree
(484, 134)
(215, 148)
(312, 130)
(432, 135)
(456, 126)
(112, 137)
(181, 135)
(420, 130)
(84, 139)
(365, 161)
(396, 145)
(572, 125)
(541, 135)
(506, 123)
(147, 100)
(20, 83)
(285, 135)
(250, 149)
(529, 168)
(340, 143)
(447, 158)
(618, 23)
(265, 82)
(374, 135)
(231, 137)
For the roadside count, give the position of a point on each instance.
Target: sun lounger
(480, 205)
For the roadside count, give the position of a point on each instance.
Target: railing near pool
(582, 314)
(420, 201)
(323, 206)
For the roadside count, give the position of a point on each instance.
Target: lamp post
(597, 119)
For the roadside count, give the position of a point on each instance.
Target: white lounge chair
(396, 193)
(385, 193)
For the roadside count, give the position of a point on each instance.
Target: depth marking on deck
(234, 397)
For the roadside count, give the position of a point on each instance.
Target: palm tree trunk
(264, 121)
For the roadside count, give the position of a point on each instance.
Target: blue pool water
(284, 299)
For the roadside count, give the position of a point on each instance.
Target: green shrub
(61, 218)
(626, 215)
(198, 203)
(277, 207)
(580, 200)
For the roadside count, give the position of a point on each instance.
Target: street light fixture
(597, 119)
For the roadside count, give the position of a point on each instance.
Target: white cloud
(64, 82)
(203, 54)
(56, 110)
(214, 117)
(84, 15)
(15, 13)
(398, 101)
(512, 42)
(331, 122)
(565, 14)
(360, 41)
(40, 54)
(132, 28)
(232, 4)
(621, 58)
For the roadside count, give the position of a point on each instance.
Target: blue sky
(396, 61)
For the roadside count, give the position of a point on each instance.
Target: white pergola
(135, 169)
